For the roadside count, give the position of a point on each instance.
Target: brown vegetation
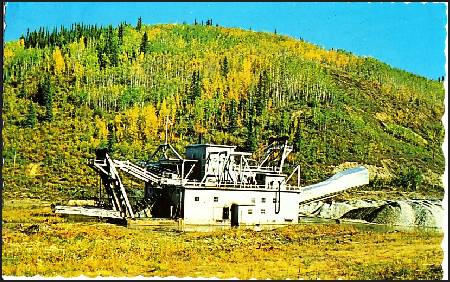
(37, 242)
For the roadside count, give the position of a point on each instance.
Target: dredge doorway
(234, 215)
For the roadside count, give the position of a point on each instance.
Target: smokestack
(200, 138)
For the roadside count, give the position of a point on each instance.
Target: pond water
(168, 225)
(173, 226)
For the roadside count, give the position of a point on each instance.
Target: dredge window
(197, 199)
(216, 199)
(226, 213)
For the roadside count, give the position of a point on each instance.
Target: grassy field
(37, 242)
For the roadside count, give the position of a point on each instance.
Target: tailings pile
(420, 213)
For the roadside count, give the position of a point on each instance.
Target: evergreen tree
(232, 121)
(139, 24)
(120, 34)
(31, 119)
(251, 142)
(224, 68)
(112, 47)
(196, 88)
(298, 137)
(111, 137)
(22, 92)
(108, 51)
(102, 58)
(45, 97)
(260, 94)
(144, 43)
(43, 91)
(285, 123)
(49, 110)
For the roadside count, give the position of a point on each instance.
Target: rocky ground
(419, 213)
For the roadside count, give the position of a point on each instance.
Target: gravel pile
(423, 213)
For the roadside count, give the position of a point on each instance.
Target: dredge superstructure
(212, 184)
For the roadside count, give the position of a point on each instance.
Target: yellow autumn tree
(101, 129)
(164, 111)
(208, 91)
(78, 71)
(8, 53)
(118, 124)
(58, 59)
(173, 110)
(149, 122)
(131, 123)
(81, 43)
(246, 73)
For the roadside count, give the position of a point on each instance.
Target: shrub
(406, 134)
(409, 178)
(377, 183)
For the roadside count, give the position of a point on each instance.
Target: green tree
(111, 137)
(298, 137)
(120, 34)
(144, 43)
(232, 116)
(31, 119)
(409, 178)
(196, 87)
(49, 108)
(22, 92)
(224, 68)
(108, 48)
(45, 97)
(112, 47)
(285, 122)
(251, 140)
(139, 24)
(261, 93)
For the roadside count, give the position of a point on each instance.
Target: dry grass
(331, 251)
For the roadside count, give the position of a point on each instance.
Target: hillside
(70, 91)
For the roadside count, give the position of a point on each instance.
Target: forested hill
(69, 91)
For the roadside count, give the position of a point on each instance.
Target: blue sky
(407, 36)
